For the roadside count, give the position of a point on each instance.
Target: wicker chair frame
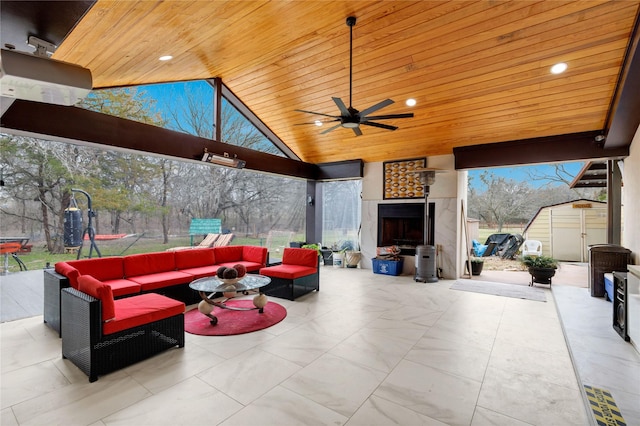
(96, 354)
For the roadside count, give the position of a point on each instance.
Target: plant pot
(352, 258)
(541, 275)
(476, 268)
(327, 257)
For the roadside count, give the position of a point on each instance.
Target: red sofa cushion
(63, 268)
(161, 279)
(142, 309)
(300, 256)
(228, 254)
(91, 286)
(201, 271)
(194, 258)
(148, 263)
(123, 287)
(255, 254)
(251, 266)
(289, 272)
(100, 268)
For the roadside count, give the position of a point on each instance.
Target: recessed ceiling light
(559, 68)
(318, 123)
(165, 58)
(411, 102)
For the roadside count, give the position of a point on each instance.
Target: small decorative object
(204, 307)
(230, 274)
(401, 179)
(260, 301)
(541, 268)
(241, 269)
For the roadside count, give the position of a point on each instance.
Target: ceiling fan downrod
(351, 21)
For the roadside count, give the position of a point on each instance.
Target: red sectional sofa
(104, 335)
(167, 272)
(298, 274)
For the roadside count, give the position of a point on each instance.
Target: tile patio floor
(366, 350)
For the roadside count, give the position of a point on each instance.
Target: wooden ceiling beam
(624, 113)
(73, 124)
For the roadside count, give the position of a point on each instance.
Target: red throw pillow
(63, 268)
(99, 290)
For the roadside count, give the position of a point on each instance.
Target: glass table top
(214, 284)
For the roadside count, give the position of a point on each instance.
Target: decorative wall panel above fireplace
(400, 179)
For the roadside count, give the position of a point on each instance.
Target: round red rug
(234, 322)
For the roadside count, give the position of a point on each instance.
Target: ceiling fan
(350, 117)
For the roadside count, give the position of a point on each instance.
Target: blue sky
(521, 174)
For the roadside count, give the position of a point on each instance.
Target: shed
(566, 230)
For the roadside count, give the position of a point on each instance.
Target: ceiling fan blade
(313, 122)
(331, 128)
(376, 107)
(357, 131)
(388, 117)
(382, 126)
(342, 107)
(317, 113)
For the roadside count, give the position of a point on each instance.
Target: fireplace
(401, 225)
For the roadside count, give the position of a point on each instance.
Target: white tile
(440, 395)
(249, 375)
(529, 400)
(374, 349)
(456, 358)
(191, 402)
(301, 345)
(82, 403)
(336, 383)
(484, 417)
(31, 381)
(280, 407)
(378, 411)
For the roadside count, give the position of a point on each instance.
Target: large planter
(541, 275)
(352, 258)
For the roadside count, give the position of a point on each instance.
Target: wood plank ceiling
(479, 70)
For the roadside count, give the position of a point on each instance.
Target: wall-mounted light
(309, 200)
(223, 160)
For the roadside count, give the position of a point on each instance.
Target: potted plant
(352, 251)
(541, 268)
(477, 263)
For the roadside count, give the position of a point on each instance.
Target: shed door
(573, 231)
(566, 234)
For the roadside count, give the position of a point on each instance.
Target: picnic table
(11, 246)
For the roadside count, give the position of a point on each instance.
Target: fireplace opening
(401, 225)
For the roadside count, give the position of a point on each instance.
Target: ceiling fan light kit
(351, 118)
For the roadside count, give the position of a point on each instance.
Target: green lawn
(39, 256)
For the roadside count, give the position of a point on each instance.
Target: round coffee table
(208, 287)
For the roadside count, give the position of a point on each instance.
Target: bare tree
(502, 200)
(562, 177)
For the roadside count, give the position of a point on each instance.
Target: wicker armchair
(297, 275)
(86, 345)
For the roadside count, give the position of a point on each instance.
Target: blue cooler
(608, 286)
